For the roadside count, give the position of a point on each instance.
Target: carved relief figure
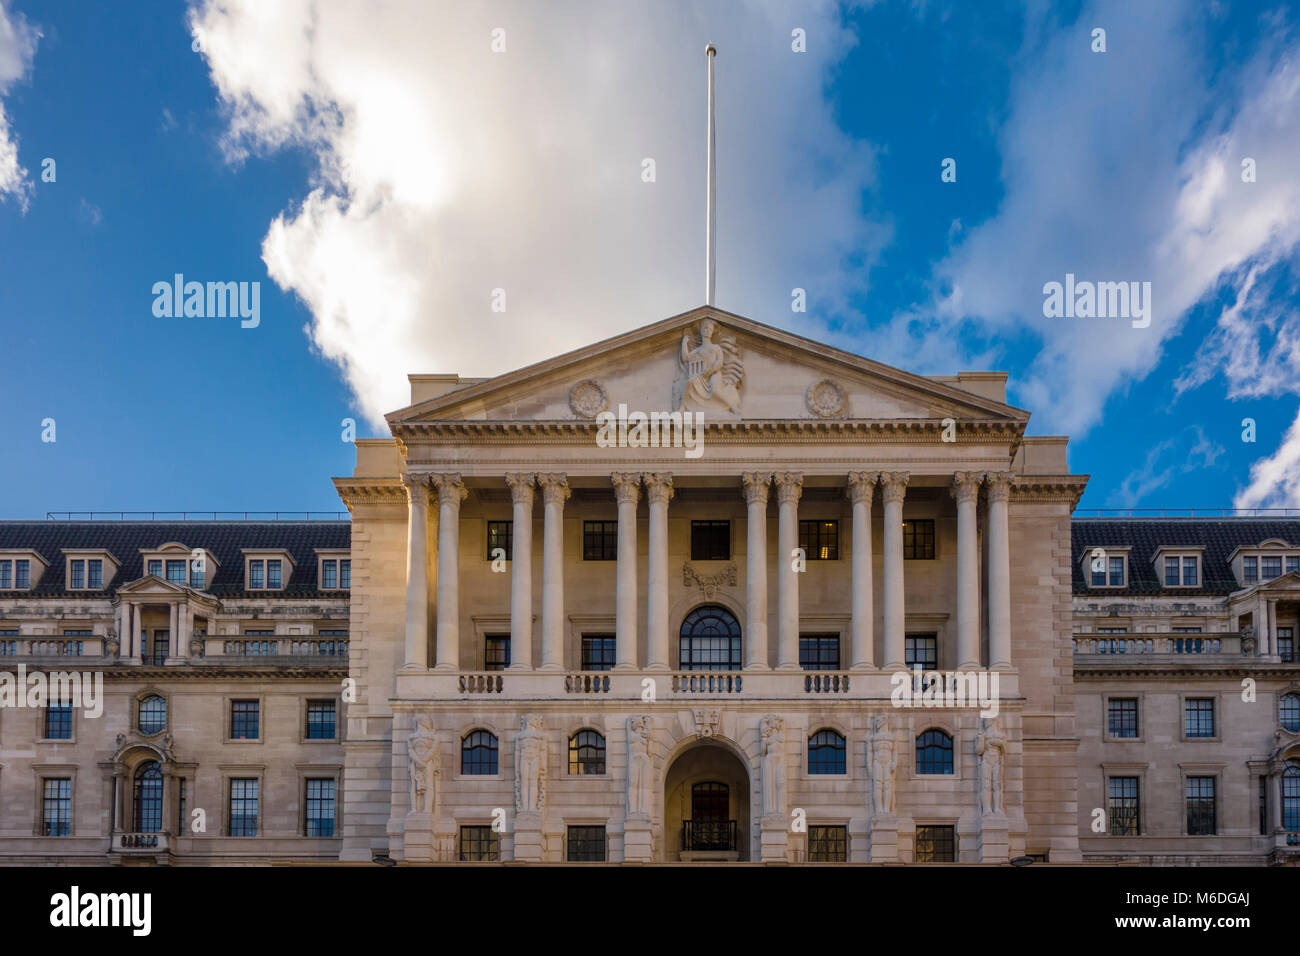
(882, 762)
(638, 765)
(991, 748)
(422, 754)
(709, 373)
(773, 767)
(530, 764)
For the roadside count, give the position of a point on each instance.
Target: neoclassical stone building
(572, 620)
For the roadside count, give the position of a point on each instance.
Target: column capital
(451, 490)
(894, 485)
(789, 486)
(756, 485)
(627, 486)
(658, 487)
(862, 485)
(998, 485)
(521, 487)
(555, 487)
(966, 486)
(416, 485)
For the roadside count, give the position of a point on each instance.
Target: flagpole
(710, 249)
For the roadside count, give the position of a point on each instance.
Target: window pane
(329, 573)
(826, 753)
(176, 572)
(255, 572)
(273, 574)
(153, 715)
(479, 845)
(599, 540)
(78, 574)
(1123, 717)
(321, 719)
(345, 574)
(478, 754)
(22, 574)
(819, 652)
(320, 807)
(1200, 806)
(586, 845)
(1250, 570)
(921, 650)
(936, 844)
(1199, 717)
(598, 652)
(243, 807)
(586, 753)
(155, 568)
(828, 844)
(1122, 796)
(243, 719)
(95, 574)
(934, 752)
(496, 652)
(1116, 572)
(710, 540)
(501, 535)
(1171, 572)
(709, 640)
(56, 812)
(918, 539)
(820, 540)
(1189, 571)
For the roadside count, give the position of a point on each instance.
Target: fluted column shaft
(555, 490)
(966, 489)
(658, 492)
(861, 487)
(417, 570)
(999, 494)
(521, 571)
(173, 629)
(627, 492)
(451, 491)
(894, 490)
(756, 485)
(789, 487)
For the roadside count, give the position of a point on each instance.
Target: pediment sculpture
(709, 373)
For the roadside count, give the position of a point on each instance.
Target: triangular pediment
(151, 584)
(711, 361)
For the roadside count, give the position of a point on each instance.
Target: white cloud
(447, 171)
(1275, 480)
(17, 47)
(1191, 450)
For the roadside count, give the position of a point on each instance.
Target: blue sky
(379, 172)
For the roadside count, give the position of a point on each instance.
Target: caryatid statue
(638, 765)
(773, 767)
(710, 372)
(422, 755)
(882, 762)
(530, 764)
(991, 748)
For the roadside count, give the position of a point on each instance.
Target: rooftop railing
(197, 516)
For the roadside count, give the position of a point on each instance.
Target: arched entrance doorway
(706, 805)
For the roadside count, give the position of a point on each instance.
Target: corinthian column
(521, 571)
(861, 486)
(894, 489)
(999, 491)
(555, 489)
(789, 487)
(451, 492)
(756, 487)
(658, 492)
(966, 489)
(417, 571)
(627, 492)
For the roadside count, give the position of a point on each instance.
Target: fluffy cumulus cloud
(446, 171)
(17, 47)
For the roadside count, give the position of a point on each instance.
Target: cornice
(1049, 488)
(358, 491)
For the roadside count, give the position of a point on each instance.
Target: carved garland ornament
(588, 399)
(826, 398)
(709, 583)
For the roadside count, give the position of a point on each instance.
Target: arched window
(1291, 801)
(478, 753)
(586, 753)
(826, 752)
(153, 714)
(147, 803)
(1289, 712)
(710, 640)
(934, 752)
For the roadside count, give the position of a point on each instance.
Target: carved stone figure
(991, 748)
(709, 373)
(638, 765)
(1248, 639)
(111, 643)
(422, 752)
(530, 764)
(773, 767)
(882, 763)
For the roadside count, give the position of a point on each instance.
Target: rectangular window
(710, 540)
(1286, 644)
(1187, 630)
(500, 534)
(819, 652)
(319, 813)
(22, 574)
(820, 540)
(1270, 568)
(1249, 570)
(1198, 717)
(329, 574)
(1189, 572)
(6, 574)
(155, 568)
(936, 844)
(598, 652)
(95, 574)
(8, 643)
(1292, 563)
(1116, 572)
(1172, 579)
(256, 572)
(321, 718)
(56, 810)
(918, 539)
(345, 573)
(599, 540)
(1200, 806)
(828, 844)
(58, 721)
(273, 575)
(196, 575)
(586, 845)
(243, 719)
(496, 652)
(921, 650)
(160, 646)
(479, 845)
(1123, 717)
(176, 572)
(1122, 804)
(1112, 630)
(243, 807)
(78, 575)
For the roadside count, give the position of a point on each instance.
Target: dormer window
(1249, 570)
(267, 570)
(335, 570)
(1106, 568)
(89, 570)
(1270, 567)
(155, 568)
(1179, 567)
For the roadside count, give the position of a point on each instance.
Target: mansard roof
(226, 540)
(1220, 538)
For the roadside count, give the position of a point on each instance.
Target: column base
(774, 839)
(530, 845)
(994, 839)
(427, 840)
(882, 838)
(638, 839)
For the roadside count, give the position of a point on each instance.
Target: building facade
(704, 591)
